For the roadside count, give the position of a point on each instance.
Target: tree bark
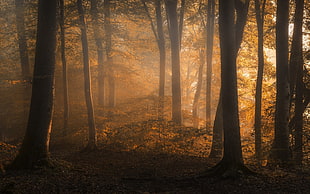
(100, 55)
(296, 62)
(171, 6)
(34, 150)
(64, 66)
(198, 90)
(281, 145)
(210, 37)
(92, 137)
(259, 12)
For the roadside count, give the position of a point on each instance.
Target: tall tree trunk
(162, 56)
(210, 37)
(181, 21)
(260, 12)
(64, 66)
(92, 137)
(296, 62)
(280, 149)
(160, 38)
(241, 8)
(171, 6)
(108, 39)
(35, 147)
(100, 55)
(198, 90)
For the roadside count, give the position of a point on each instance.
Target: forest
(155, 96)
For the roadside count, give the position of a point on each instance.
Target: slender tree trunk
(171, 6)
(181, 21)
(108, 39)
(210, 37)
(198, 90)
(100, 55)
(34, 150)
(64, 66)
(217, 136)
(162, 56)
(281, 145)
(92, 139)
(296, 62)
(259, 11)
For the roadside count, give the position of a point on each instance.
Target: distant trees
(34, 150)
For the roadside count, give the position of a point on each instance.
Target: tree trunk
(280, 149)
(217, 136)
(162, 56)
(260, 12)
(35, 147)
(198, 90)
(100, 55)
(296, 62)
(108, 39)
(181, 21)
(171, 6)
(241, 8)
(64, 66)
(92, 139)
(210, 37)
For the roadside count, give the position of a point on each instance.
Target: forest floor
(141, 156)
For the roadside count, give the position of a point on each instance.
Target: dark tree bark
(100, 55)
(108, 40)
(210, 37)
(64, 66)
(92, 137)
(259, 12)
(22, 40)
(296, 62)
(232, 162)
(241, 8)
(171, 6)
(35, 147)
(281, 145)
(198, 90)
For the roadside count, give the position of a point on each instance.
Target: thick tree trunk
(198, 90)
(210, 37)
(281, 145)
(100, 55)
(259, 11)
(92, 139)
(108, 40)
(296, 62)
(241, 8)
(35, 147)
(64, 66)
(171, 6)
